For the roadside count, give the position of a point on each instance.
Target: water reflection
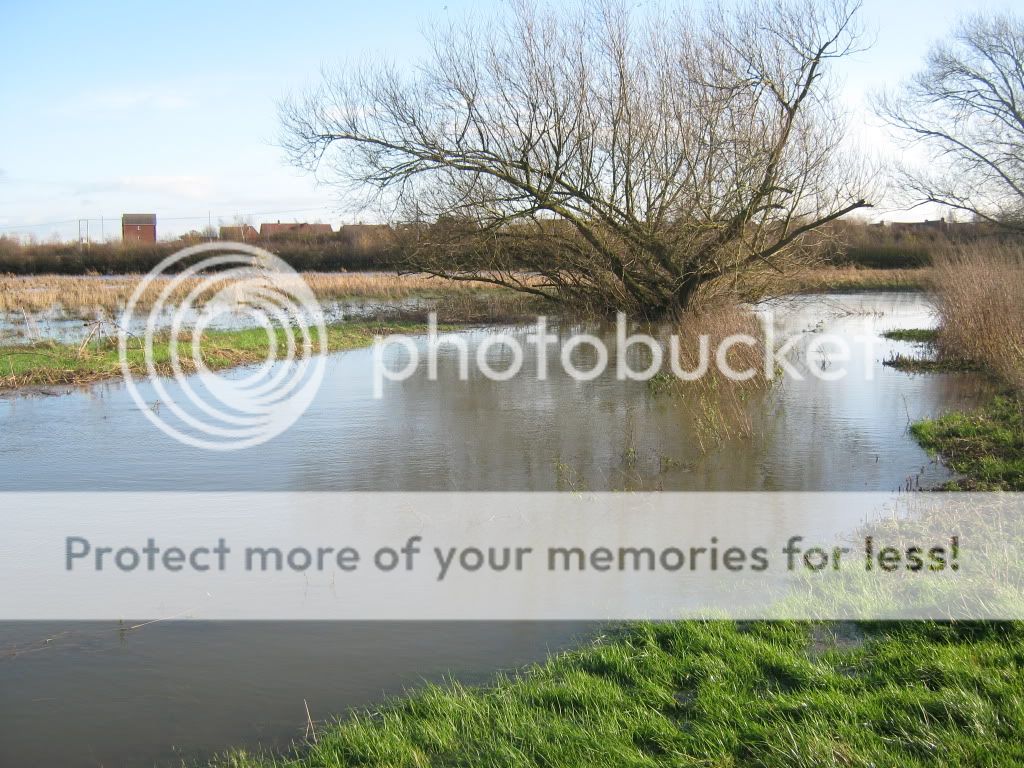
(522, 434)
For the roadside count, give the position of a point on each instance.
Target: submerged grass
(49, 363)
(915, 335)
(712, 694)
(942, 364)
(717, 407)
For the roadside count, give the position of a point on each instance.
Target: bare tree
(966, 108)
(623, 161)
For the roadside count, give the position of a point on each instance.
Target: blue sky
(171, 108)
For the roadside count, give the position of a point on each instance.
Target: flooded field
(55, 324)
(150, 695)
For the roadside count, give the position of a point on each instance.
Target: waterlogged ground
(177, 689)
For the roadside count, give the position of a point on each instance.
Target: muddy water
(88, 695)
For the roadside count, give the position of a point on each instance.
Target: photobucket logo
(824, 356)
(245, 286)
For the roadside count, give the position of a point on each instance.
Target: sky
(108, 108)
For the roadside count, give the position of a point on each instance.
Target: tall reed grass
(980, 298)
(718, 406)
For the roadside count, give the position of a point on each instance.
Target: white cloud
(122, 99)
(194, 187)
(180, 187)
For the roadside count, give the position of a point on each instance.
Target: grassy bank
(713, 694)
(986, 447)
(50, 363)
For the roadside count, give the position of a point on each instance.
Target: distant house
(245, 233)
(138, 227)
(294, 229)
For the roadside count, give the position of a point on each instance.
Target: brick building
(138, 227)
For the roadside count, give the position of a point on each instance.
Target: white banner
(148, 556)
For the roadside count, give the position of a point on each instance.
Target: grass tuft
(942, 364)
(915, 335)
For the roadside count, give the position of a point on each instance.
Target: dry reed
(979, 294)
(848, 279)
(720, 407)
(86, 294)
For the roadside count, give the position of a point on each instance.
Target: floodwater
(56, 324)
(89, 695)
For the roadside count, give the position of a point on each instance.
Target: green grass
(985, 446)
(50, 363)
(713, 694)
(916, 335)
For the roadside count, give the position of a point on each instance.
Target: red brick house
(138, 227)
